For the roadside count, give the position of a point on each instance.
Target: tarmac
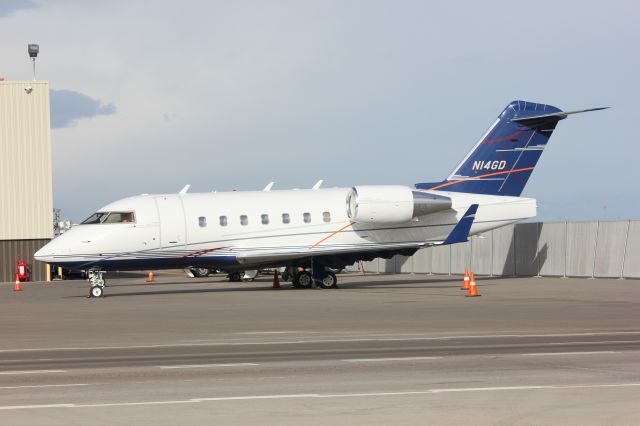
(381, 349)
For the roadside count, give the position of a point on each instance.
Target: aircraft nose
(46, 253)
(43, 254)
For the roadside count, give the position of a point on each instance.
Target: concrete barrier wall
(562, 249)
(581, 247)
(503, 257)
(441, 260)
(526, 249)
(481, 249)
(632, 251)
(422, 261)
(611, 240)
(551, 249)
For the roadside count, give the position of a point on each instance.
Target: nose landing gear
(97, 283)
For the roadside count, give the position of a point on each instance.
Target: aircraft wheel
(235, 277)
(330, 281)
(96, 291)
(303, 280)
(200, 272)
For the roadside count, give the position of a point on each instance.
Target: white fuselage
(239, 229)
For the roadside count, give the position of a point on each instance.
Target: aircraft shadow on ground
(387, 284)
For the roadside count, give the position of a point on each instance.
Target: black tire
(96, 291)
(303, 280)
(330, 281)
(235, 277)
(201, 272)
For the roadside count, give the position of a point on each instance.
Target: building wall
(11, 249)
(26, 205)
(25, 161)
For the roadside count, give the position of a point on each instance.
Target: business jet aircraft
(316, 229)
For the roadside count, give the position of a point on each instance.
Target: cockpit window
(110, 217)
(94, 218)
(120, 217)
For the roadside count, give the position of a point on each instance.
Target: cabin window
(326, 217)
(202, 221)
(265, 219)
(223, 221)
(286, 218)
(306, 217)
(244, 220)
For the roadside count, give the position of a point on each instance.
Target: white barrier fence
(559, 249)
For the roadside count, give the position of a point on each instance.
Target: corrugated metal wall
(25, 161)
(24, 248)
(560, 249)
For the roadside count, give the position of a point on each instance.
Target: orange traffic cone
(465, 283)
(151, 278)
(276, 280)
(17, 287)
(473, 289)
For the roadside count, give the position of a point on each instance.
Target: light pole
(33, 54)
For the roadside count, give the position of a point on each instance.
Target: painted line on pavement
(321, 396)
(570, 353)
(44, 386)
(241, 364)
(32, 372)
(364, 339)
(412, 358)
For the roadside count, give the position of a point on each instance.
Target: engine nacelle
(391, 204)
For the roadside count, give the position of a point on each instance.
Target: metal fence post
(566, 243)
(595, 251)
(538, 249)
(491, 256)
(624, 253)
(515, 251)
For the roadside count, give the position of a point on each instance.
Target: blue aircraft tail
(504, 158)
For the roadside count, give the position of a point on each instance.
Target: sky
(230, 95)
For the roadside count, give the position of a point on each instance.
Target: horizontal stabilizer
(460, 233)
(560, 115)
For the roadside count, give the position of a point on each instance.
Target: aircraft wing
(347, 254)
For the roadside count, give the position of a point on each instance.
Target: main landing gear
(97, 283)
(305, 279)
(330, 281)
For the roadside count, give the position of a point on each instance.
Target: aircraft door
(172, 224)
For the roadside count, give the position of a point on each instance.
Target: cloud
(67, 107)
(7, 7)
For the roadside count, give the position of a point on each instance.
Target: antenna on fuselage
(269, 186)
(318, 184)
(185, 189)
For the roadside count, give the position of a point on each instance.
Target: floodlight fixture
(33, 50)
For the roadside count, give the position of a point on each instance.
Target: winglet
(460, 232)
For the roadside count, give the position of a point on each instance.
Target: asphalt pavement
(381, 349)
